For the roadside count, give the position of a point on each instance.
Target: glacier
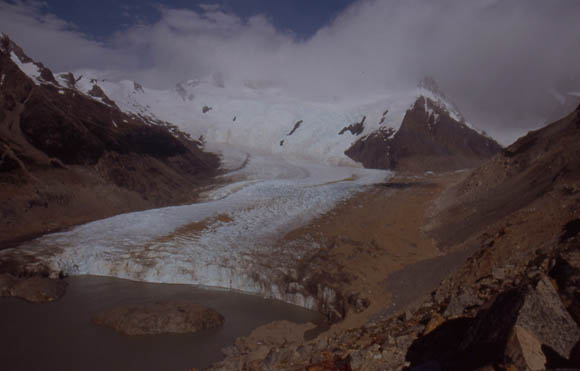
(286, 165)
(230, 239)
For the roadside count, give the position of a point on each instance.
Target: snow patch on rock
(30, 69)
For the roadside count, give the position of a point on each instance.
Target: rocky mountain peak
(137, 87)
(97, 92)
(429, 83)
(7, 46)
(14, 51)
(432, 137)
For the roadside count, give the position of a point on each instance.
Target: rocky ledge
(176, 317)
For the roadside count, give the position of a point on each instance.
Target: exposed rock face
(531, 315)
(296, 127)
(566, 272)
(356, 128)
(97, 92)
(32, 289)
(8, 47)
(160, 318)
(428, 139)
(68, 158)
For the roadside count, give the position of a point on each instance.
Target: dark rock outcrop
(355, 129)
(428, 139)
(32, 289)
(9, 47)
(160, 318)
(533, 312)
(296, 126)
(97, 92)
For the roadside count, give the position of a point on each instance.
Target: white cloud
(496, 59)
(54, 42)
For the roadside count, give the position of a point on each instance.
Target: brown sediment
(372, 235)
(191, 230)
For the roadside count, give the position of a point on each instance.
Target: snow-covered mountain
(262, 117)
(267, 119)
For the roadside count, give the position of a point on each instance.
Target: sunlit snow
(262, 117)
(30, 69)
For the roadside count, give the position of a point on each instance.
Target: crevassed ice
(229, 240)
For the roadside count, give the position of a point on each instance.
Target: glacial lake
(60, 335)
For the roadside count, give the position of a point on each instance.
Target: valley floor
(337, 235)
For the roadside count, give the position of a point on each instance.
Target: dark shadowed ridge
(68, 158)
(542, 161)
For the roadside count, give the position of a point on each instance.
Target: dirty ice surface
(227, 240)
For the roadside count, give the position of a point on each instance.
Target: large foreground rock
(537, 310)
(159, 318)
(527, 327)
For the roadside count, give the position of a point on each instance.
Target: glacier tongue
(228, 240)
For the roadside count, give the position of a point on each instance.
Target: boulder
(525, 350)
(527, 328)
(32, 289)
(521, 324)
(566, 272)
(160, 318)
(460, 302)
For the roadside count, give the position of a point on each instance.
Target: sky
(508, 64)
(101, 19)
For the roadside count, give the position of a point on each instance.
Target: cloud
(507, 64)
(55, 42)
(186, 44)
